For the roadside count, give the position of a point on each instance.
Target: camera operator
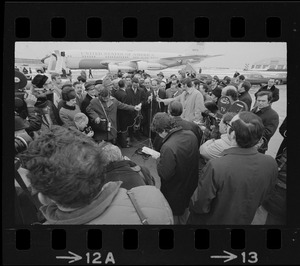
(26, 199)
(24, 104)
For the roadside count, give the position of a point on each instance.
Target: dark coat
(178, 168)
(187, 125)
(122, 115)
(232, 187)
(134, 99)
(270, 120)
(283, 132)
(95, 110)
(273, 89)
(86, 101)
(129, 173)
(246, 98)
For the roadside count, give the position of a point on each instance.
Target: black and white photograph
(150, 133)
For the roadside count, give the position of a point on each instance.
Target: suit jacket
(270, 120)
(86, 101)
(246, 98)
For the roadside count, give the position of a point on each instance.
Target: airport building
(269, 64)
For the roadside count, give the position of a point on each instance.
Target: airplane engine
(142, 65)
(113, 68)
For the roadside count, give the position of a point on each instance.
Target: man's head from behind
(112, 153)
(65, 166)
(175, 108)
(162, 124)
(246, 129)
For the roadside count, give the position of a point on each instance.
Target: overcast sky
(234, 54)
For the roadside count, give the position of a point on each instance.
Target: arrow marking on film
(75, 257)
(229, 257)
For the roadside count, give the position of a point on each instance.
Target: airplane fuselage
(130, 60)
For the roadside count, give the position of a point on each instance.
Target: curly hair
(162, 121)
(66, 166)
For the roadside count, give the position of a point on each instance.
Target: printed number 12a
(253, 257)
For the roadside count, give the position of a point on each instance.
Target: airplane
(114, 60)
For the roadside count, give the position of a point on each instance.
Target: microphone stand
(150, 121)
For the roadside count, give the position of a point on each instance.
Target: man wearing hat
(160, 77)
(91, 94)
(24, 104)
(20, 83)
(108, 84)
(69, 108)
(49, 113)
(216, 94)
(41, 85)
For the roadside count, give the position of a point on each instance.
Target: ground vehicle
(255, 78)
(280, 78)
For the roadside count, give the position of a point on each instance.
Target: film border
(148, 13)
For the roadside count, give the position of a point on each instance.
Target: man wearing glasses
(232, 187)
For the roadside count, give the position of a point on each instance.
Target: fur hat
(89, 85)
(41, 102)
(160, 74)
(68, 93)
(20, 80)
(39, 80)
(217, 92)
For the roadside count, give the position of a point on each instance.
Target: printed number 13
(253, 257)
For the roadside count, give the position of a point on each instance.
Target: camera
(21, 143)
(87, 129)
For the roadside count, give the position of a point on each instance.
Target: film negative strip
(56, 27)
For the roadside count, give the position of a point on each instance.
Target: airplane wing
(199, 57)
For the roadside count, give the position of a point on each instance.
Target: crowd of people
(210, 136)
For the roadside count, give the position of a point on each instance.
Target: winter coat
(95, 110)
(188, 125)
(270, 121)
(273, 89)
(113, 206)
(131, 174)
(67, 113)
(246, 98)
(178, 168)
(232, 187)
(214, 148)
